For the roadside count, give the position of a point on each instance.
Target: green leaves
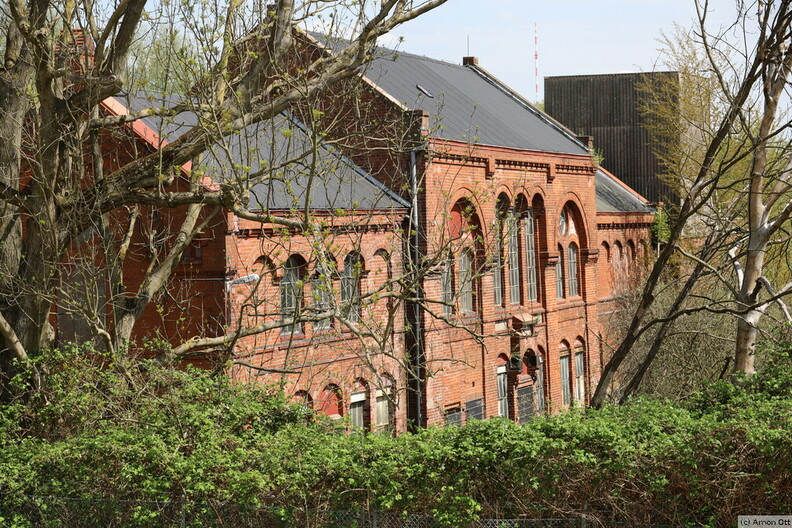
(182, 433)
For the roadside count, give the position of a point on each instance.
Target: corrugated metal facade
(607, 108)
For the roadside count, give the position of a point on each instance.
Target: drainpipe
(417, 357)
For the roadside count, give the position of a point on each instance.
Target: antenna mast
(536, 60)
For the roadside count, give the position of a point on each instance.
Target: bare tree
(734, 175)
(61, 182)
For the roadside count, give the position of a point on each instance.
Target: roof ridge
(379, 47)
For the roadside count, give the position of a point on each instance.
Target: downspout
(415, 254)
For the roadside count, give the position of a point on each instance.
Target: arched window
(359, 406)
(322, 294)
(572, 265)
(559, 269)
(514, 258)
(530, 255)
(502, 384)
(291, 293)
(617, 261)
(350, 287)
(580, 374)
(563, 222)
(331, 402)
(386, 404)
(566, 374)
(304, 399)
(466, 279)
(501, 213)
(447, 286)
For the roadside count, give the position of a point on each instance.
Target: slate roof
(465, 103)
(612, 197)
(282, 147)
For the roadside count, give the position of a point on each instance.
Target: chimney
(469, 61)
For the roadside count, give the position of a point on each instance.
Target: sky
(575, 36)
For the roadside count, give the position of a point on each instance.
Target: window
(530, 255)
(291, 294)
(539, 384)
(322, 292)
(580, 383)
(453, 415)
(330, 402)
(357, 409)
(559, 269)
(566, 387)
(448, 288)
(503, 391)
(350, 287)
(385, 407)
(466, 281)
(514, 260)
(497, 271)
(303, 399)
(572, 261)
(563, 222)
(474, 409)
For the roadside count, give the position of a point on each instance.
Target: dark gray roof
(465, 103)
(612, 197)
(279, 150)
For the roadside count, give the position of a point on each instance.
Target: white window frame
(503, 391)
(357, 410)
(447, 286)
(580, 376)
(350, 287)
(559, 269)
(322, 293)
(530, 256)
(514, 259)
(290, 295)
(384, 410)
(497, 271)
(572, 266)
(565, 363)
(466, 281)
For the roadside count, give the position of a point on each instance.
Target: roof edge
(487, 76)
(116, 108)
(624, 185)
(354, 166)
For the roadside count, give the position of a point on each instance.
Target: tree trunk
(15, 75)
(746, 343)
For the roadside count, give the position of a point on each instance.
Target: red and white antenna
(536, 60)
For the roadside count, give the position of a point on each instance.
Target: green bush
(148, 431)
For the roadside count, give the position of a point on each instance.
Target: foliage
(661, 229)
(173, 433)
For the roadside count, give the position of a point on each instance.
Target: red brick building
(463, 274)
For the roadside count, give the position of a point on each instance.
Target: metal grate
(475, 409)
(525, 404)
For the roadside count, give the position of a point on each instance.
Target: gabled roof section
(465, 103)
(614, 196)
(295, 175)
